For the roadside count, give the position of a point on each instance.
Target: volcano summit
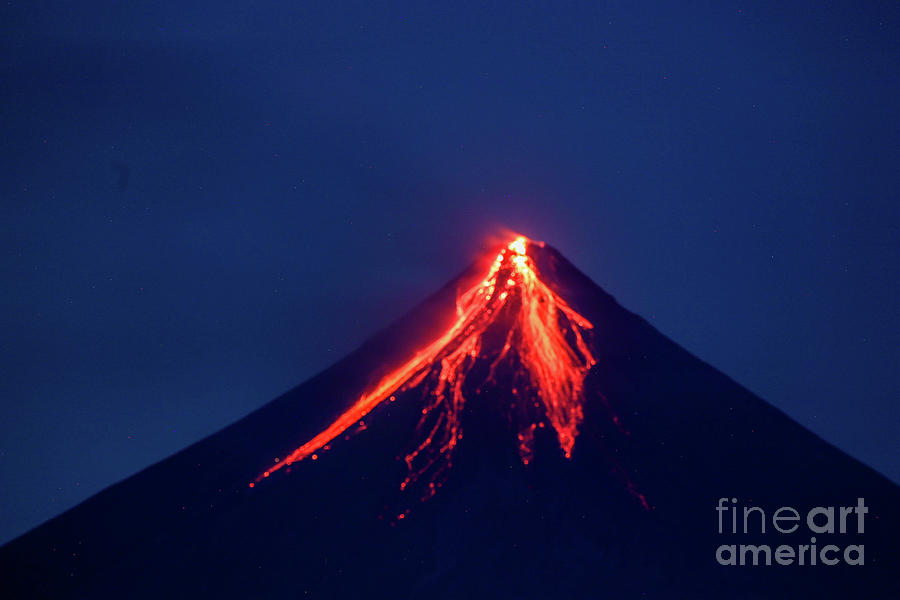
(538, 339)
(517, 435)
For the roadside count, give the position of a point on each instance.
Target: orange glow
(541, 331)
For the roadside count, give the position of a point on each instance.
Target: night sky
(205, 203)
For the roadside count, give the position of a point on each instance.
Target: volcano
(518, 435)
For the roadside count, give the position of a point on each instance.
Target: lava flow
(541, 330)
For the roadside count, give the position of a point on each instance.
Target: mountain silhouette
(519, 435)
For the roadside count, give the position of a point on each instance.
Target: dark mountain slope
(659, 424)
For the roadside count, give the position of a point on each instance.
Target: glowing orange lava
(541, 330)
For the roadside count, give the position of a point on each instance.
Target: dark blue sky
(205, 203)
